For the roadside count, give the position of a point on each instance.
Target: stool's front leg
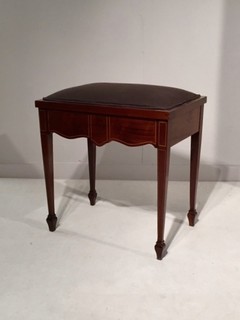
(194, 170)
(162, 176)
(47, 152)
(92, 195)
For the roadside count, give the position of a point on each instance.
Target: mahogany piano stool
(132, 114)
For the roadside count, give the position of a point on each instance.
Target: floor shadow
(73, 193)
(131, 196)
(106, 243)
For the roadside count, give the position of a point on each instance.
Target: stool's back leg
(162, 176)
(194, 170)
(47, 152)
(92, 195)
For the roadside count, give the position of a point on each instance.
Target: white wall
(48, 45)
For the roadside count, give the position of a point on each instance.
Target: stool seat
(132, 114)
(125, 94)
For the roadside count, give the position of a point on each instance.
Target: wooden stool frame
(132, 127)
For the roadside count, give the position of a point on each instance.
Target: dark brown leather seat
(122, 94)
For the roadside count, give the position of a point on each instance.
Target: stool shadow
(67, 204)
(177, 203)
(178, 208)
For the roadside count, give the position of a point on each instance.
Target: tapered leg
(194, 170)
(163, 169)
(92, 195)
(47, 152)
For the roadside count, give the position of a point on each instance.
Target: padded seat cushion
(123, 94)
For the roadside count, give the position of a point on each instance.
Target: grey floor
(100, 262)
